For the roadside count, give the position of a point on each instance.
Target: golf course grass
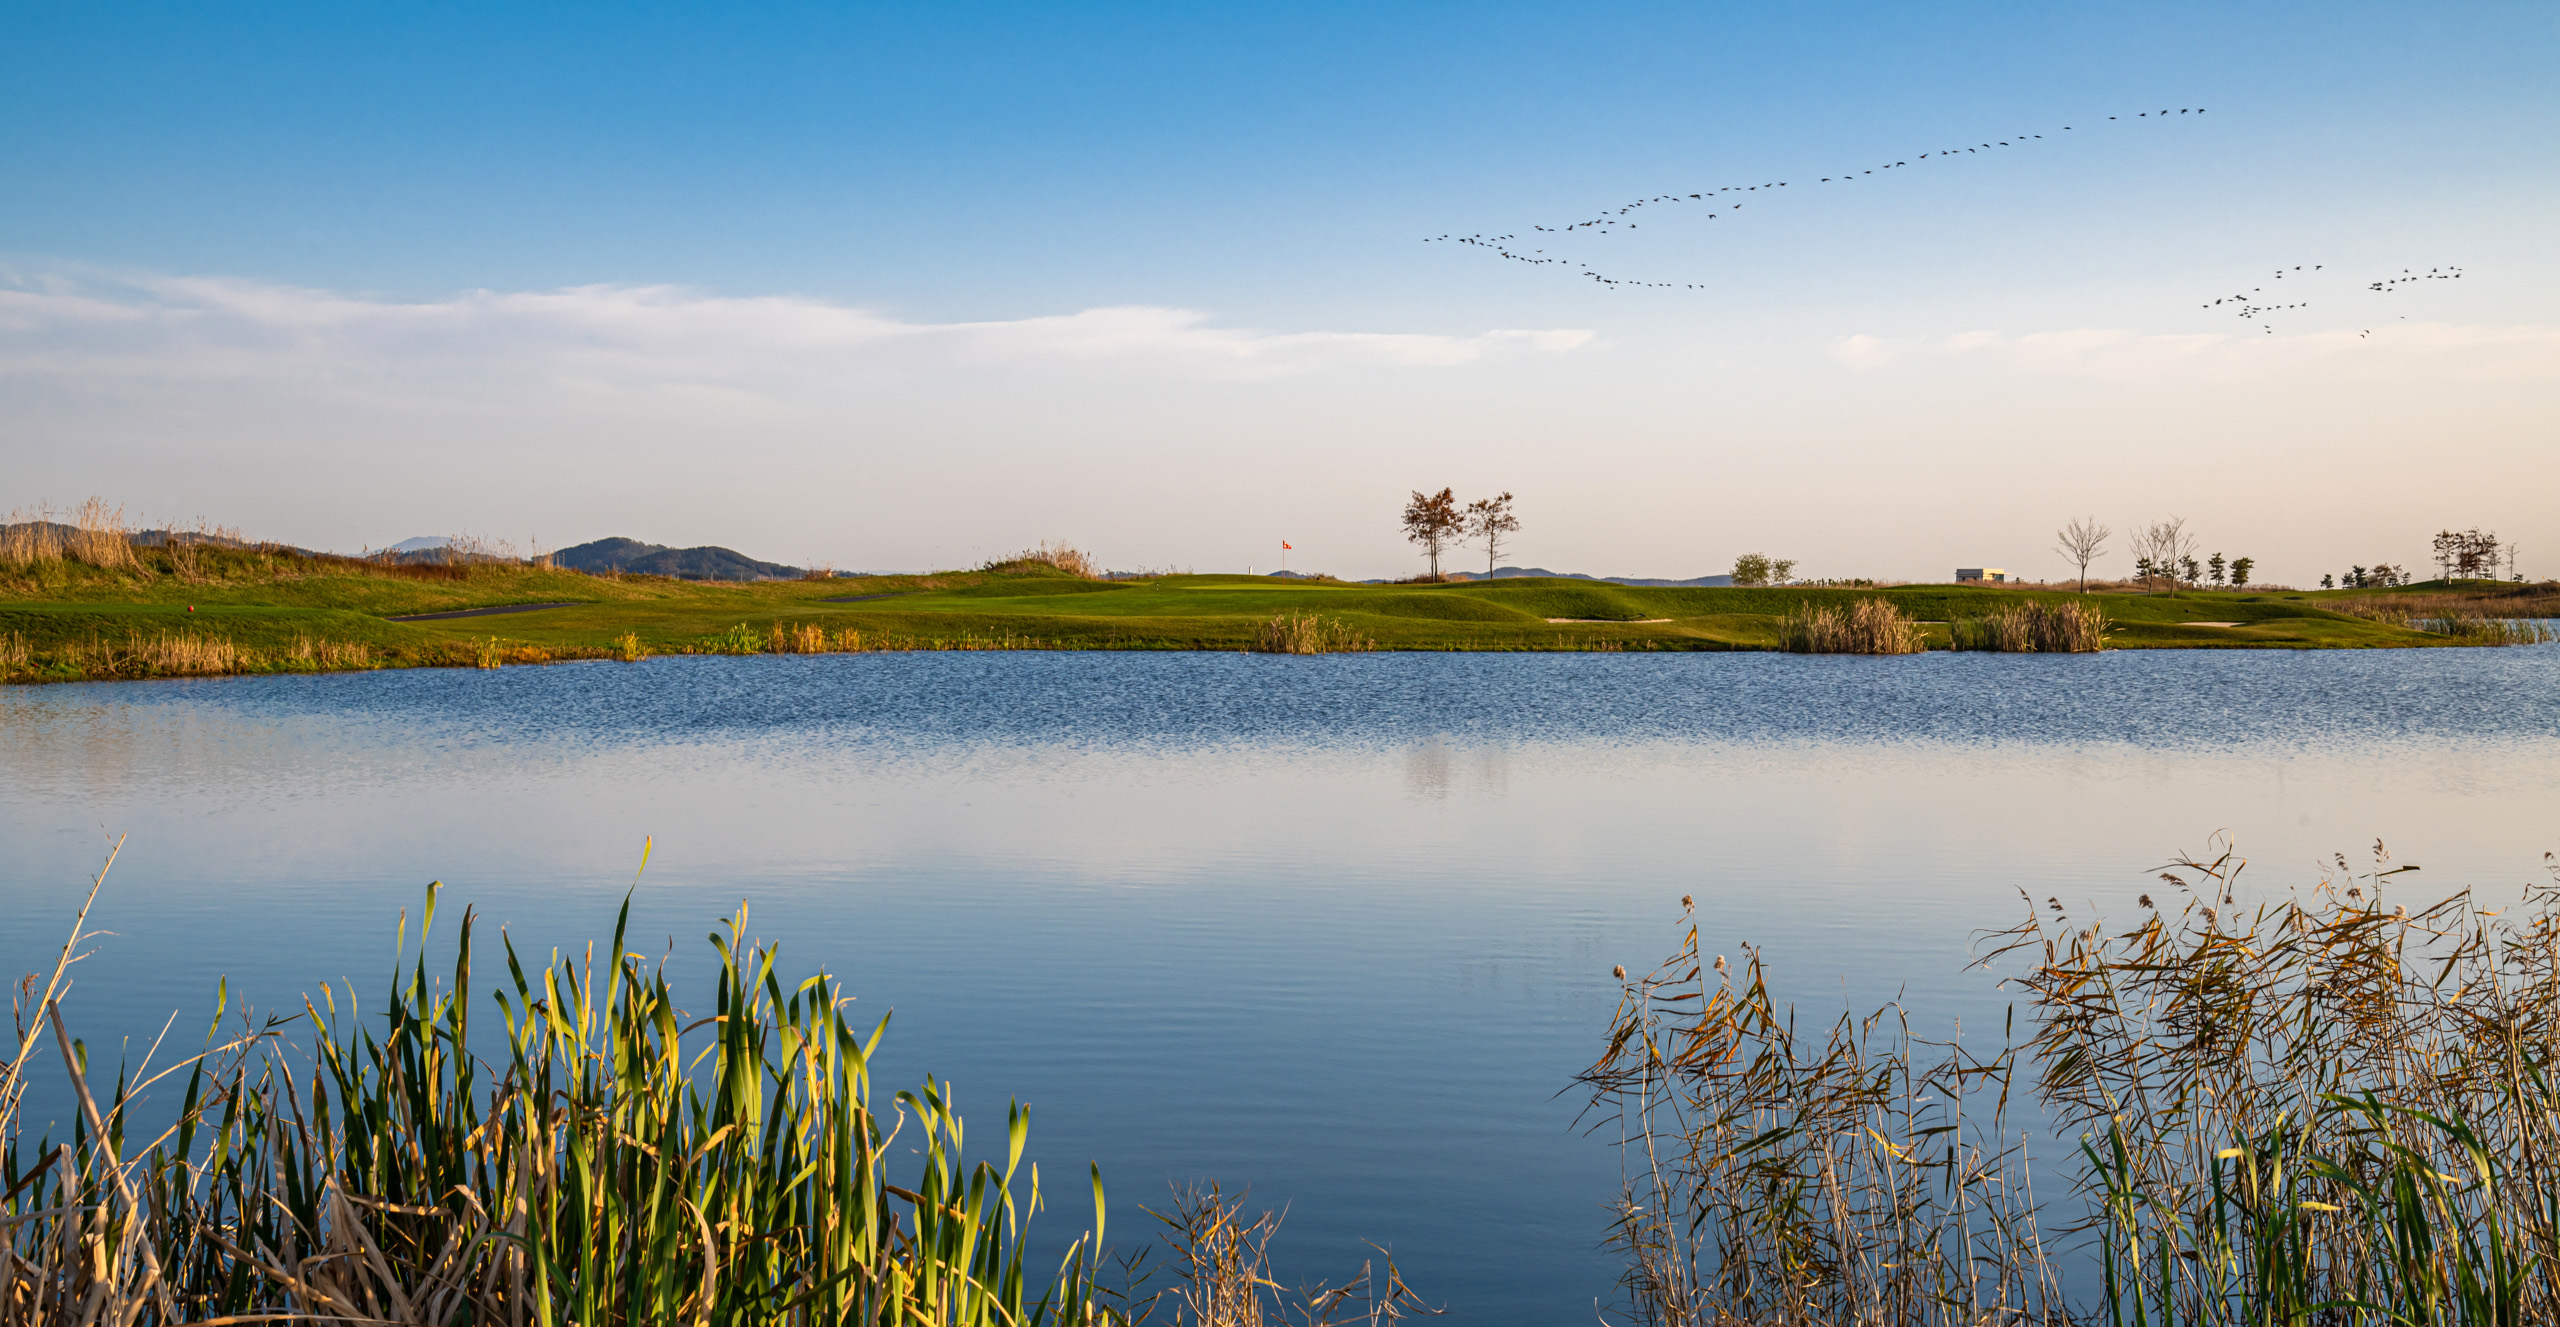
(249, 611)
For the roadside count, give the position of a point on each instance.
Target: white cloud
(636, 339)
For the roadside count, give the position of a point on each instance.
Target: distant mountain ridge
(1507, 573)
(1502, 573)
(709, 562)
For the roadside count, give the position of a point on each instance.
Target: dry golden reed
(183, 654)
(1869, 626)
(2321, 1108)
(2074, 627)
(1308, 633)
(332, 654)
(99, 537)
(31, 538)
(1775, 1179)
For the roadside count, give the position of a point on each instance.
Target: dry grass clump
(2494, 600)
(1058, 557)
(14, 652)
(806, 638)
(99, 537)
(492, 652)
(94, 533)
(1224, 1262)
(30, 538)
(627, 647)
(2033, 628)
(621, 1158)
(324, 653)
(1308, 633)
(184, 654)
(2310, 1110)
(1869, 626)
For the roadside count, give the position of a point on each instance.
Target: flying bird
(1609, 221)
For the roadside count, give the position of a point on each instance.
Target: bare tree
(1490, 522)
(2082, 541)
(2167, 546)
(1433, 520)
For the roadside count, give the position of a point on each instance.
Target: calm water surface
(1335, 929)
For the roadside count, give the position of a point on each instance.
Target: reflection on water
(1337, 929)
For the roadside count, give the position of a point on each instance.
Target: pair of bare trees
(2162, 550)
(1435, 521)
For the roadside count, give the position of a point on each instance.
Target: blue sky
(228, 232)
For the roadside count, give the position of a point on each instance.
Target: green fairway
(284, 612)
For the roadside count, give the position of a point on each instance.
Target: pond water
(1337, 930)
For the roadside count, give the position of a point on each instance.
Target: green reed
(622, 1161)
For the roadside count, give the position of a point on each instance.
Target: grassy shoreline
(248, 611)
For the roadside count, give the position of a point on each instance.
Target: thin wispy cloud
(2397, 349)
(194, 328)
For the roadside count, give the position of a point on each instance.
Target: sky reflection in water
(1337, 929)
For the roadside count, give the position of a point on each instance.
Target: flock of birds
(2255, 304)
(2251, 305)
(1720, 200)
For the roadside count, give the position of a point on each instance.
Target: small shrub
(1307, 633)
(488, 653)
(1869, 626)
(1048, 558)
(627, 647)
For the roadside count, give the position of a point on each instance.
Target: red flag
(1284, 543)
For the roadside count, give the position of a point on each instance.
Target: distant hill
(707, 563)
(1506, 573)
(1500, 573)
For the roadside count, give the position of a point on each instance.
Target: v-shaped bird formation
(1729, 199)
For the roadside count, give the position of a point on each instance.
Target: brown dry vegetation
(1869, 626)
(2490, 601)
(1308, 633)
(2315, 1109)
(2034, 627)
